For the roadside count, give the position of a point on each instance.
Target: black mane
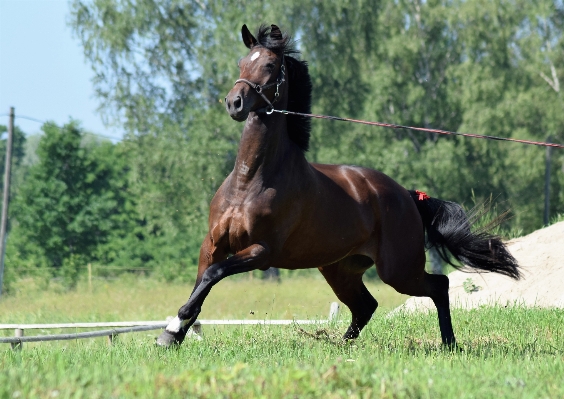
(299, 89)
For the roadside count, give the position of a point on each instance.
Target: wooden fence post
(197, 328)
(18, 345)
(333, 311)
(90, 277)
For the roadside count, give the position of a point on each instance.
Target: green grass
(507, 352)
(557, 219)
(135, 298)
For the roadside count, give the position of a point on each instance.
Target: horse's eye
(239, 62)
(270, 66)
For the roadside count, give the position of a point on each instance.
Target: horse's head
(262, 74)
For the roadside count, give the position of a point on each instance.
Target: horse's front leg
(254, 257)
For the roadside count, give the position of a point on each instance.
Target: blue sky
(43, 73)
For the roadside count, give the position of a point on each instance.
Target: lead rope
(421, 129)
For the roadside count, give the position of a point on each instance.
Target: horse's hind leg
(345, 278)
(438, 291)
(401, 264)
(434, 286)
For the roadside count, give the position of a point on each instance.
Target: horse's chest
(244, 224)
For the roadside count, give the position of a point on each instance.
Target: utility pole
(6, 198)
(436, 262)
(547, 166)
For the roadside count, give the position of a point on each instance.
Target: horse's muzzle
(235, 106)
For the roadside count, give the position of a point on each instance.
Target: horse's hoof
(453, 347)
(352, 333)
(458, 349)
(168, 339)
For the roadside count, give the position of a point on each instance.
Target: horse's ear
(275, 32)
(248, 38)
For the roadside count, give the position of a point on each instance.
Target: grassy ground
(137, 298)
(507, 352)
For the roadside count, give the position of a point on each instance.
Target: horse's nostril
(238, 103)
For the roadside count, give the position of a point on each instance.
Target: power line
(29, 118)
(40, 121)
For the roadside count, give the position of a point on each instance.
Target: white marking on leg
(176, 325)
(255, 56)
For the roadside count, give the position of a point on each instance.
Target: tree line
(163, 67)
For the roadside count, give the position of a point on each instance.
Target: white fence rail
(134, 326)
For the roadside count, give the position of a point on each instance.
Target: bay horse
(276, 209)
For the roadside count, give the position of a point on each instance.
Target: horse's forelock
(272, 38)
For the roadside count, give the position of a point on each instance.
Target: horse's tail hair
(450, 229)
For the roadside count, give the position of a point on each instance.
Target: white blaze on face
(255, 56)
(175, 325)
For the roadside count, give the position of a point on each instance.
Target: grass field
(507, 352)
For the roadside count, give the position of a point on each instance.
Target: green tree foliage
(159, 74)
(489, 67)
(162, 68)
(71, 204)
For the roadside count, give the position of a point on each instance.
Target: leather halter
(269, 109)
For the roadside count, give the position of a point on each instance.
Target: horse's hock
(540, 257)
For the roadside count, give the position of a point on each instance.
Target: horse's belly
(342, 219)
(325, 244)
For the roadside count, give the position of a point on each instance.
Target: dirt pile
(541, 257)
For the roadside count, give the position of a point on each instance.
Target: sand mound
(541, 258)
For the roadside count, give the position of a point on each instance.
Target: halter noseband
(260, 89)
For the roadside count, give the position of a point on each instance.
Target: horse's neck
(264, 149)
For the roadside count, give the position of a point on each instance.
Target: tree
(162, 68)
(70, 202)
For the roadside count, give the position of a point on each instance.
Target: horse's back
(369, 187)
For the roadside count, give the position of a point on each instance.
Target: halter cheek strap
(260, 89)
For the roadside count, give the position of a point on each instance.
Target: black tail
(449, 228)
